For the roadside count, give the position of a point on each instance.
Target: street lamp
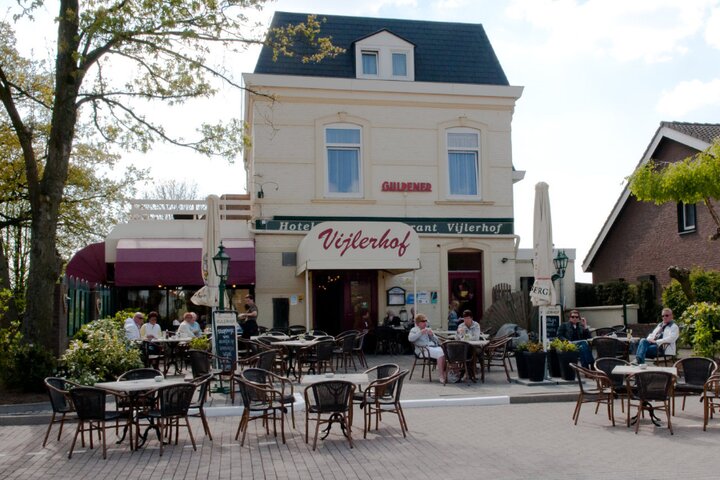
(221, 262)
(560, 262)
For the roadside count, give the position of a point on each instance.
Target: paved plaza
(519, 432)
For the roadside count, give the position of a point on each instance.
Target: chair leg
(47, 433)
(317, 430)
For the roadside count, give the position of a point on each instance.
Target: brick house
(640, 240)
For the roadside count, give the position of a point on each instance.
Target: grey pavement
(528, 434)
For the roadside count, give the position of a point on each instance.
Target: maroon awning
(176, 261)
(89, 264)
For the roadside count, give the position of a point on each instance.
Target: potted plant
(553, 358)
(535, 360)
(567, 353)
(521, 348)
(199, 343)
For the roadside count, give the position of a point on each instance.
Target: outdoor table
(133, 389)
(292, 346)
(171, 356)
(255, 337)
(356, 378)
(451, 334)
(628, 370)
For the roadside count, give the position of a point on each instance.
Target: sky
(598, 75)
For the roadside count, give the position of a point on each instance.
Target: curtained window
(343, 160)
(463, 162)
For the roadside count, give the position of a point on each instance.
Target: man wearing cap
(468, 329)
(421, 335)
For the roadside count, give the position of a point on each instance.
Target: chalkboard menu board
(553, 324)
(225, 334)
(552, 316)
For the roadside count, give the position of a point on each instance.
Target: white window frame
(344, 146)
(683, 222)
(371, 53)
(404, 53)
(478, 162)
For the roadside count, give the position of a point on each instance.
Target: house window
(342, 143)
(399, 65)
(686, 217)
(463, 162)
(369, 63)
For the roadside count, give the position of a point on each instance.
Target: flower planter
(565, 359)
(521, 365)
(554, 363)
(535, 365)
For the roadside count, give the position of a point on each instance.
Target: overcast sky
(599, 77)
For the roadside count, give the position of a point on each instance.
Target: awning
(89, 264)
(176, 261)
(389, 246)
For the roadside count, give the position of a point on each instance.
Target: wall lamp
(560, 262)
(261, 192)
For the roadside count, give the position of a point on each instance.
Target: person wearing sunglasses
(666, 333)
(577, 331)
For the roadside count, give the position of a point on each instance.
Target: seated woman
(422, 336)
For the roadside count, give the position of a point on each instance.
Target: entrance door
(465, 281)
(344, 300)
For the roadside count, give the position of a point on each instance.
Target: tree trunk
(682, 275)
(11, 313)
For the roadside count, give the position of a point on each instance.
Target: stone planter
(565, 359)
(554, 363)
(521, 365)
(535, 365)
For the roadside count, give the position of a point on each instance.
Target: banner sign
(225, 334)
(457, 227)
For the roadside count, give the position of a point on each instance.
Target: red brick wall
(644, 239)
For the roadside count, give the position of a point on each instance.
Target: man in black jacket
(576, 331)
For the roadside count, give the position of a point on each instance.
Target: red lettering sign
(344, 241)
(406, 186)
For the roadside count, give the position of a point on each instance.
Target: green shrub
(100, 353)
(560, 345)
(701, 328)
(649, 309)
(705, 285)
(199, 343)
(618, 292)
(23, 365)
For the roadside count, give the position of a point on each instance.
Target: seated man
(578, 334)
(186, 328)
(666, 333)
(132, 326)
(468, 327)
(422, 336)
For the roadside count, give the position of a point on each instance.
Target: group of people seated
(135, 329)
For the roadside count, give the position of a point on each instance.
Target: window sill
(688, 231)
(464, 202)
(357, 201)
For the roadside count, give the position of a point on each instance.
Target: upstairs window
(463, 162)
(343, 171)
(399, 65)
(686, 217)
(369, 63)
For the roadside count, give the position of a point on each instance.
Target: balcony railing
(232, 207)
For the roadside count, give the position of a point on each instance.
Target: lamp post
(221, 262)
(560, 262)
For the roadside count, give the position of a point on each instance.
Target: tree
(161, 53)
(692, 180)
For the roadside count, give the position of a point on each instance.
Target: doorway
(344, 300)
(465, 281)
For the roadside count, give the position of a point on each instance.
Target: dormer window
(369, 63)
(385, 56)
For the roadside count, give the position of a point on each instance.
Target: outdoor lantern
(221, 262)
(560, 262)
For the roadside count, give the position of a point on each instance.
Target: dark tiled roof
(706, 132)
(444, 52)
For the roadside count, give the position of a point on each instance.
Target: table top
(622, 338)
(297, 343)
(356, 378)
(255, 337)
(633, 369)
(138, 385)
(170, 340)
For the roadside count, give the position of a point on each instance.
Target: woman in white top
(151, 329)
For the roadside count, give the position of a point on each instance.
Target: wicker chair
(173, 404)
(259, 402)
(459, 357)
(603, 331)
(59, 392)
(318, 357)
(495, 354)
(606, 365)
(343, 352)
(89, 405)
(599, 392)
(281, 385)
(422, 356)
(710, 398)
(610, 347)
(334, 399)
(383, 396)
(358, 349)
(650, 391)
(202, 384)
(379, 372)
(693, 372)
(263, 360)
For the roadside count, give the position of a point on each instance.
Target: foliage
(692, 180)
(102, 354)
(705, 285)
(521, 347)
(114, 64)
(618, 292)
(701, 328)
(560, 345)
(199, 343)
(649, 310)
(534, 347)
(585, 295)
(23, 365)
